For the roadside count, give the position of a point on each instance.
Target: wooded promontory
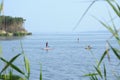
(12, 26)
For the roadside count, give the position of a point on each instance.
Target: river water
(67, 60)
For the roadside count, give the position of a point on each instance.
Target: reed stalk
(99, 74)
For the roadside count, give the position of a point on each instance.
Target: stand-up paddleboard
(88, 47)
(47, 48)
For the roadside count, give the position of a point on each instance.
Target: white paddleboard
(88, 47)
(47, 48)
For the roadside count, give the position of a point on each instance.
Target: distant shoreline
(12, 26)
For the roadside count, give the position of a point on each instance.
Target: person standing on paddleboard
(46, 44)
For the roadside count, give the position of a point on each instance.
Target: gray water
(67, 60)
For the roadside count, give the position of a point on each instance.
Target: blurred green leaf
(10, 64)
(93, 78)
(90, 74)
(115, 51)
(10, 74)
(0, 51)
(84, 14)
(114, 8)
(118, 6)
(40, 71)
(98, 71)
(27, 66)
(104, 54)
(114, 32)
(105, 74)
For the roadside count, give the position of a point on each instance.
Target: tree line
(11, 24)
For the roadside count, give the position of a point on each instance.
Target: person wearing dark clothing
(78, 40)
(46, 44)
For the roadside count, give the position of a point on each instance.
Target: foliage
(10, 66)
(40, 71)
(102, 74)
(1, 7)
(11, 20)
(11, 24)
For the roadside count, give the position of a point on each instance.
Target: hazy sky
(58, 15)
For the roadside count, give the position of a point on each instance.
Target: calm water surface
(68, 59)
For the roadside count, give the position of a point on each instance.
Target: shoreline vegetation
(100, 71)
(12, 26)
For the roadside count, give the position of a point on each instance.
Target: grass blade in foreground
(26, 62)
(84, 14)
(105, 74)
(105, 53)
(40, 71)
(0, 51)
(114, 32)
(10, 64)
(114, 8)
(115, 52)
(99, 72)
(91, 74)
(27, 66)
